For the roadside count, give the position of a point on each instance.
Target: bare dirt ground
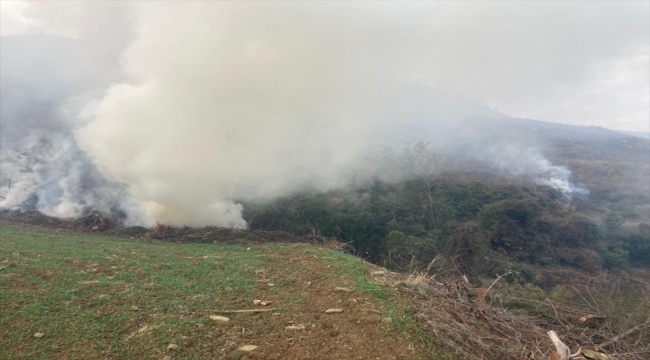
(355, 333)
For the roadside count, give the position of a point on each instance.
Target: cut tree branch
(631, 330)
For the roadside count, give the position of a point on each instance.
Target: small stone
(343, 289)
(95, 228)
(172, 347)
(295, 327)
(186, 341)
(248, 248)
(266, 303)
(218, 318)
(387, 320)
(257, 301)
(39, 335)
(269, 284)
(333, 311)
(247, 348)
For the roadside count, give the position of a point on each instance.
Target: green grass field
(101, 297)
(86, 293)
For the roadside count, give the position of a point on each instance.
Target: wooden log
(592, 316)
(562, 350)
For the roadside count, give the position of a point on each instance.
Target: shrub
(639, 246)
(581, 258)
(408, 252)
(519, 299)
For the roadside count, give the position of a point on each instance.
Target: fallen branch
(240, 311)
(592, 316)
(562, 349)
(624, 334)
(495, 281)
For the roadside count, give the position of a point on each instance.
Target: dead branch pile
(95, 222)
(608, 312)
(35, 217)
(469, 322)
(466, 325)
(99, 223)
(188, 234)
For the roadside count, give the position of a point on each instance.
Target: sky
(580, 63)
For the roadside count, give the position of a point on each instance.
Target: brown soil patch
(45, 275)
(356, 333)
(17, 281)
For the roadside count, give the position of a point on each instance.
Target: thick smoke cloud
(219, 102)
(45, 82)
(256, 101)
(247, 101)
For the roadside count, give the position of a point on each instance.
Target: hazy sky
(582, 62)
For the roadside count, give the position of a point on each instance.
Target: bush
(408, 252)
(519, 299)
(560, 294)
(639, 246)
(509, 225)
(581, 258)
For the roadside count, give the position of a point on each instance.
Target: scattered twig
(495, 281)
(631, 330)
(240, 311)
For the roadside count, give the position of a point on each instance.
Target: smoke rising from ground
(45, 82)
(528, 162)
(219, 102)
(247, 101)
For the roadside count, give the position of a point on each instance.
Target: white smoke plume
(240, 101)
(45, 81)
(220, 101)
(528, 162)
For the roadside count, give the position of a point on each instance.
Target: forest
(428, 205)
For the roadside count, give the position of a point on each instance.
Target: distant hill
(644, 135)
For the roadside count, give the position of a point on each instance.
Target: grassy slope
(99, 297)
